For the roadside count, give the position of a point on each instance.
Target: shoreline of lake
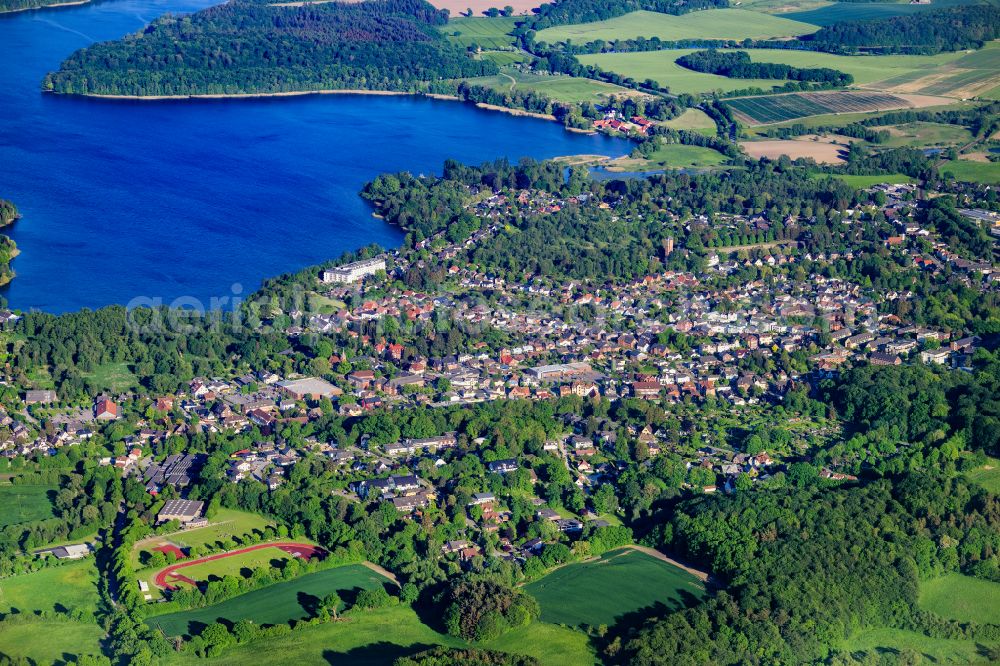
(73, 3)
(346, 91)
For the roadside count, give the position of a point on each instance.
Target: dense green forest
(951, 29)
(737, 65)
(586, 11)
(247, 47)
(807, 566)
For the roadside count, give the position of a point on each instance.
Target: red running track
(303, 550)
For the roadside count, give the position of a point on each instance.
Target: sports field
(619, 582)
(379, 637)
(778, 108)
(707, 24)
(292, 600)
(660, 66)
(71, 586)
(226, 524)
(486, 33)
(235, 562)
(232, 566)
(23, 503)
(962, 598)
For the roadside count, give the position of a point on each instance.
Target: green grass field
(23, 503)
(377, 638)
(50, 641)
(226, 523)
(707, 24)
(560, 88)
(671, 156)
(660, 66)
(962, 598)
(113, 377)
(988, 476)
(292, 600)
(864, 69)
(69, 586)
(486, 33)
(693, 119)
(891, 643)
(920, 135)
(862, 182)
(621, 581)
(854, 11)
(974, 172)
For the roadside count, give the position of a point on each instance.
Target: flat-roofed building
(354, 271)
(183, 510)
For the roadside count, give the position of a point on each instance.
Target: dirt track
(165, 577)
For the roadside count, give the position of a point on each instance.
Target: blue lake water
(164, 200)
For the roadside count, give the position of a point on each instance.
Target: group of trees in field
(737, 65)
(245, 47)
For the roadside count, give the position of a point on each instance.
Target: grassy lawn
(963, 598)
(50, 641)
(975, 172)
(601, 591)
(69, 586)
(988, 476)
(113, 377)
(226, 524)
(671, 156)
(486, 33)
(919, 135)
(23, 503)
(707, 24)
(378, 637)
(692, 119)
(891, 642)
(292, 600)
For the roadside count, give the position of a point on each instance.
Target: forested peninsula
(7, 6)
(8, 249)
(254, 48)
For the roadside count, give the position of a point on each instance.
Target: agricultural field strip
(777, 108)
